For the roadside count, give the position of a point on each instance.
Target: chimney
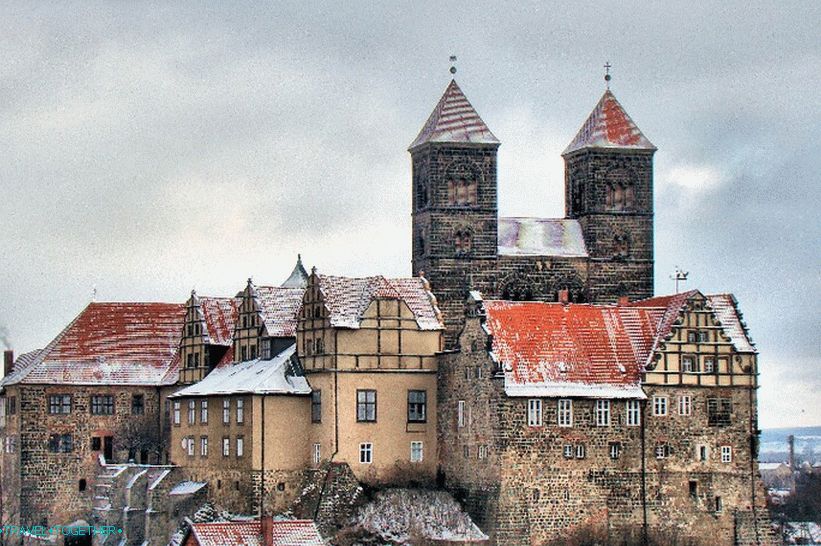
(624, 300)
(791, 441)
(564, 295)
(8, 362)
(266, 526)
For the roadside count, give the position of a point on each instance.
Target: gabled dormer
(702, 341)
(207, 335)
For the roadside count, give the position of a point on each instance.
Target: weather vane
(607, 76)
(679, 276)
(452, 66)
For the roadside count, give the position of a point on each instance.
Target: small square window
(580, 451)
(662, 451)
(615, 450)
(709, 364)
(726, 454)
(366, 453)
(568, 451)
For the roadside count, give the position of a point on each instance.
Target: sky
(150, 149)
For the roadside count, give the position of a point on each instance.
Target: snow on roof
(726, 310)
(250, 377)
(347, 298)
(220, 316)
(112, 343)
(454, 120)
(298, 277)
(279, 308)
(187, 488)
(554, 349)
(249, 533)
(541, 237)
(609, 126)
(771, 466)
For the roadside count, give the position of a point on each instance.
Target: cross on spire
(607, 76)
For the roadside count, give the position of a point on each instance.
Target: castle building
(600, 251)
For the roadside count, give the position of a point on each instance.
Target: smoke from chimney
(4, 337)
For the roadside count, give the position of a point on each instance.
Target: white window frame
(701, 448)
(226, 411)
(534, 412)
(417, 452)
(687, 363)
(660, 404)
(565, 412)
(204, 412)
(633, 408)
(204, 446)
(317, 456)
(482, 452)
(581, 451)
(615, 450)
(366, 453)
(661, 451)
(726, 454)
(189, 446)
(226, 447)
(461, 414)
(567, 451)
(685, 405)
(240, 411)
(177, 411)
(192, 412)
(240, 446)
(602, 413)
(712, 366)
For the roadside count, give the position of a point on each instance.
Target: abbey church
(526, 370)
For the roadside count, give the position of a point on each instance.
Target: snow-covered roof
(771, 466)
(113, 344)
(249, 533)
(250, 377)
(609, 126)
(220, 316)
(347, 298)
(298, 277)
(541, 237)
(454, 120)
(570, 350)
(279, 309)
(726, 310)
(187, 488)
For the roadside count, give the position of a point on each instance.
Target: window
(240, 411)
(366, 406)
(226, 446)
(10, 444)
(462, 191)
(568, 451)
(59, 404)
(253, 352)
(138, 404)
(719, 505)
(265, 350)
(580, 451)
(688, 364)
(416, 452)
(204, 412)
(61, 443)
(660, 406)
(317, 453)
(176, 412)
(189, 446)
(704, 337)
(565, 413)
(466, 452)
(462, 242)
(692, 337)
(719, 412)
(366, 453)
(483, 452)
(417, 406)
(693, 489)
(96, 443)
(316, 406)
(243, 351)
(82, 484)
(534, 413)
(11, 405)
(240, 446)
(602, 413)
(102, 405)
(189, 361)
(662, 451)
(226, 411)
(461, 416)
(702, 453)
(726, 454)
(709, 364)
(204, 446)
(633, 413)
(615, 450)
(685, 405)
(192, 412)
(197, 360)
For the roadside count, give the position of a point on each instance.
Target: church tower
(454, 216)
(609, 190)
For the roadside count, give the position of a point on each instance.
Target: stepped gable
(112, 343)
(454, 120)
(581, 350)
(220, 316)
(347, 298)
(609, 126)
(541, 237)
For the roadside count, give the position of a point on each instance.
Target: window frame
(226, 411)
(239, 452)
(602, 409)
(366, 452)
(58, 402)
(203, 446)
(317, 453)
(534, 412)
(726, 454)
(102, 404)
(417, 451)
(204, 411)
(240, 411)
(565, 414)
(633, 409)
(226, 446)
(415, 406)
(362, 406)
(685, 405)
(461, 414)
(316, 406)
(137, 408)
(192, 412)
(615, 450)
(660, 406)
(176, 413)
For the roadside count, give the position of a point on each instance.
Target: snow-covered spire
(298, 277)
(454, 120)
(609, 126)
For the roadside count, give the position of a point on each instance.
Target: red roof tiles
(220, 316)
(279, 308)
(454, 120)
(248, 533)
(609, 126)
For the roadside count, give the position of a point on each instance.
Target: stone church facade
(600, 251)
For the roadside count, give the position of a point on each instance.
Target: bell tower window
(462, 241)
(462, 191)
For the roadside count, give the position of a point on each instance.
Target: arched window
(462, 241)
(462, 191)
(621, 246)
(620, 197)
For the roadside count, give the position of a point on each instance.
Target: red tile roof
(220, 315)
(609, 126)
(347, 298)
(248, 533)
(553, 349)
(454, 120)
(112, 343)
(279, 309)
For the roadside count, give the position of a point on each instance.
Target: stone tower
(609, 190)
(454, 216)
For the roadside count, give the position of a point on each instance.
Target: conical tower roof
(298, 277)
(609, 126)
(454, 120)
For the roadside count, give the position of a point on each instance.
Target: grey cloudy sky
(147, 149)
